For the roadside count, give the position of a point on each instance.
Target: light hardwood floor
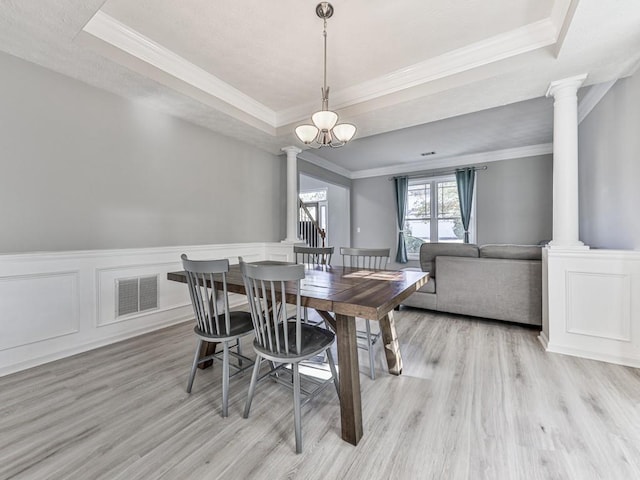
(476, 400)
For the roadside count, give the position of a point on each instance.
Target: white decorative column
(565, 162)
(292, 193)
(566, 231)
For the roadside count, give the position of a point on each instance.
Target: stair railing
(309, 229)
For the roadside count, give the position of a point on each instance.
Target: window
(312, 196)
(433, 212)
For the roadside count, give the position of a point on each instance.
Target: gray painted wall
(609, 156)
(373, 214)
(515, 201)
(514, 205)
(315, 171)
(85, 169)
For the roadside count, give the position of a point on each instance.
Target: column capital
(570, 85)
(291, 150)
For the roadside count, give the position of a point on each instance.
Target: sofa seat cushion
(512, 252)
(429, 251)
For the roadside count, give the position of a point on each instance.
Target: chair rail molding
(58, 304)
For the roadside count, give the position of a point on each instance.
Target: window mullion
(434, 211)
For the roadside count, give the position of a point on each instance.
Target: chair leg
(334, 372)
(239, 350)
(194, 367)
(225, 379)
(296, 407)
(252, 385)
(372, 368)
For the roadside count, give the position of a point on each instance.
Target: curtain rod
(437, 173)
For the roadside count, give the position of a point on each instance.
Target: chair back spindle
(313, 256)
(265, 286)
(366, 258)
(209, 305)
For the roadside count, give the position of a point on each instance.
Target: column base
(579, 246)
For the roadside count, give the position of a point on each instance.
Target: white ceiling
(253, 69)
(272, 51)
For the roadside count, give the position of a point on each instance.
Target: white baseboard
(591, 355)
(544, 340)
(85, 347)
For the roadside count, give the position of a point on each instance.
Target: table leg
(350, 400)
(207, 348)
(391, 344)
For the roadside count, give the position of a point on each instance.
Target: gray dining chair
(281, 342)
(312, 257)
(367, 259)
(214, 321)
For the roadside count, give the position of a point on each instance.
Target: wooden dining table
(339, 295)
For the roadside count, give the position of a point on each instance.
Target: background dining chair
(215, 322)
(312, 257)
(279, 341)
(368, 259)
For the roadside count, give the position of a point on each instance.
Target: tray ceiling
(252, 70)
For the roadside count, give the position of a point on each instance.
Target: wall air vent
(135, 295)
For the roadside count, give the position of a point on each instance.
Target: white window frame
(434, 208)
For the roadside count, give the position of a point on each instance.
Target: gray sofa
(501, 282)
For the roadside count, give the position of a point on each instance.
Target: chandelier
(325, 130)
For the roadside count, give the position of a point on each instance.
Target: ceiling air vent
(135, 295)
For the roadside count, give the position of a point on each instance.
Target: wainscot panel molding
(594, 305)
(57, 304)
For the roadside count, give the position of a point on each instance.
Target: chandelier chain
(325, 89)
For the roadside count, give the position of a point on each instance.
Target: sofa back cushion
(512, 252)
(429, 252)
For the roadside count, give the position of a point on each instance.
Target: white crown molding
(110, 30)
(562, 16)
(527, 38)
(559, 12)
(457, 161)
(592, 98)
(311, 157)
(524, 39)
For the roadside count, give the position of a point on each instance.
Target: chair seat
(240, 322)
(314, 340)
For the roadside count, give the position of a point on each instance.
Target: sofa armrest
(501, 289)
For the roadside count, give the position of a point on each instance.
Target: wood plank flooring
(476, 400)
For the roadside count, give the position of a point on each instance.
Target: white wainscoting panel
(58, 304)
(38, 307)
(599, 305)
(594, 304)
